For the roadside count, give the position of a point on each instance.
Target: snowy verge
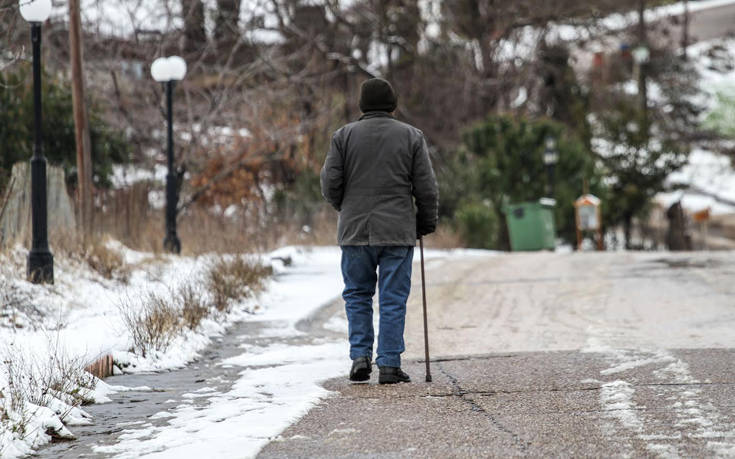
(52, 332)
(277, 384)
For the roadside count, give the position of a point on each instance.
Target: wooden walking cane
(426, 327)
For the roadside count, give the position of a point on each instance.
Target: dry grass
(231, 279)
(202, 231)
(153, 322)
(322, 231)
(96, 253)
(128, 217)
(193, 307)
(109, 263)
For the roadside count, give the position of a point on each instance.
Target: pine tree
(501, 161)
(642, 137)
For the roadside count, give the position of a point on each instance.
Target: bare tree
(226, 23)
(194, 33)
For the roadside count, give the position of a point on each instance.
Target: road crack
(459, 392)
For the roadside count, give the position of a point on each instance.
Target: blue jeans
(359, 264)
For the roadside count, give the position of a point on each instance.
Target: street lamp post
(168, 70)
(40, 267)
(551, 157)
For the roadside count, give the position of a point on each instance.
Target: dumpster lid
(551, 202)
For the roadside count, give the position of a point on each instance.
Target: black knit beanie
(377, 94)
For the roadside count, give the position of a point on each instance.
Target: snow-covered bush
(48, 381)
(40, 393)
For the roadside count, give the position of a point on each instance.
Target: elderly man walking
(375, 170)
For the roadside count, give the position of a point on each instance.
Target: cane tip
(428, 378)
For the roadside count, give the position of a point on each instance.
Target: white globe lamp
(35, 10)
(160, 70)
(176, 68)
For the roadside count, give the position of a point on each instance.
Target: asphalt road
(612, 354)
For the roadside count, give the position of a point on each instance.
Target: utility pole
(81, 127)
(642, 67)
(685, 31)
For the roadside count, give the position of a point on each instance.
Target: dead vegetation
(155, 319)
(193, 307)
(444, 238)
(153, 322)
(109, 263)
(128, 217)
(232, 279)
(96, 253)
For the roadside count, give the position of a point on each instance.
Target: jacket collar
(375, 114)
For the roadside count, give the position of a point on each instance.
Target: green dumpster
(531, 225)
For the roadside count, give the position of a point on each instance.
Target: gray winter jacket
(374, 169)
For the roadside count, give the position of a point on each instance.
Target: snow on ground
(685, 398)
(620, 21)
(709, 176)
(262, 403)
(82, 308)
(277, 384)
(78, 319)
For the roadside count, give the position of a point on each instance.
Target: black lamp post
(168, 70)
(40, 260)
(551, 157)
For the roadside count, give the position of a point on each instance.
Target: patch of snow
(81, 318)
(617, 398)
(709, 173)
(127, 174)
(337, 324)
(695, 416)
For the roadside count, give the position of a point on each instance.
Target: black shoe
(361, 369)
(392, 375)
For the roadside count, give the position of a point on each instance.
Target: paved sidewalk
(531, 404)
(596, 354)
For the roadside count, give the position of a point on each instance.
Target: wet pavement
(136, 410)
